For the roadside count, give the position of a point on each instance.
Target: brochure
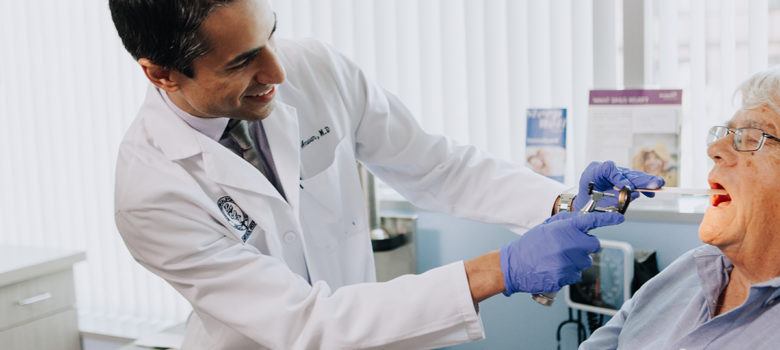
(546, 142)
(638, 129)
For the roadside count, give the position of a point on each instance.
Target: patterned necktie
(240, 134)
(239, 131)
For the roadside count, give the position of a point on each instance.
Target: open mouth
(262, 93)
(262, 96)
(718, 200)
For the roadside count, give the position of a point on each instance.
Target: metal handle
(35, 299)
(623, 198)
(546, 299)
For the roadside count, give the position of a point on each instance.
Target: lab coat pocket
(332, 205)
(320, 191)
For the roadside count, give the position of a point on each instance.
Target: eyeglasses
(745, 139)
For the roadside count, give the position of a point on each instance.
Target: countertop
(21, 263)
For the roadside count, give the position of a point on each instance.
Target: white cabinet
(58, 331)
(37, 299)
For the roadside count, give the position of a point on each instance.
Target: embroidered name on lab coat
(236, 217)
(322, 132)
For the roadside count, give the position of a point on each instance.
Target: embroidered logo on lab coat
(236, 217)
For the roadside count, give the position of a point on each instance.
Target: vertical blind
(68, 92)
(707, 48)
(468, 69)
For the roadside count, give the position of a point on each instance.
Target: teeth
(262, 93)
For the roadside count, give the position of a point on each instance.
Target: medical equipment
(687, 191)
(604, 288)
(606, 285)
(623, 197)
(618, 271)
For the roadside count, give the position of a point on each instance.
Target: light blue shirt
(211, 127)
(675, 310)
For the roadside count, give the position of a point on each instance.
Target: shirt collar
(714, 267)
(773, 284)
(211, 127)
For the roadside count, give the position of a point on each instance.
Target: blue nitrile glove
(606, 176)
(551, 255)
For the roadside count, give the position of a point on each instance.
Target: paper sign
(638, 129)
(546, 142)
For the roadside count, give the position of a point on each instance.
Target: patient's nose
(721, 151)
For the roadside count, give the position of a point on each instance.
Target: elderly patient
(722, 295)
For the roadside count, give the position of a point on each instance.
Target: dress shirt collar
(713, 268)
(211, 127)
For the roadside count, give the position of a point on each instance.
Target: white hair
(762, 90)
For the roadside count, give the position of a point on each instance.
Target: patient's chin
(721, 236)
(713, 226)
(708, 236)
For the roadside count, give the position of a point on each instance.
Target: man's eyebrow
(243, 57)
(273, 30)
(766, 127)
(755, 124)
(251, 53)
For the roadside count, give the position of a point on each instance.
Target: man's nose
(722, 152)
(270, 70)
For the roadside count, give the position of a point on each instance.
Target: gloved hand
(606, 176)
(551, 255)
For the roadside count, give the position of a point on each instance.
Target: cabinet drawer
(56, 332)
(34, 298)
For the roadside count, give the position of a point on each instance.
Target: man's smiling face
(237, 77)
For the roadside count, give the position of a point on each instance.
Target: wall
(518, 322)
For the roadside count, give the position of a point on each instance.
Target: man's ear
(159, 76)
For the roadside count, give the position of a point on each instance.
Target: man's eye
(243, 64)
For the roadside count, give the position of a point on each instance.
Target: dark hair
(167, 32)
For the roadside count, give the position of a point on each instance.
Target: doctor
(237, 184)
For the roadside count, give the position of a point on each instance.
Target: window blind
(468, 69)
(707, 48)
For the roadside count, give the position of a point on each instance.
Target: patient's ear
(160, 76)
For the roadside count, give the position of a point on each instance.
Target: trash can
(392, 237)
(394, 248)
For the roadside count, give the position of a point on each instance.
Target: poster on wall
(639, 129)
(545, 142)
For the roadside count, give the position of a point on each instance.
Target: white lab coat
(212, 226)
